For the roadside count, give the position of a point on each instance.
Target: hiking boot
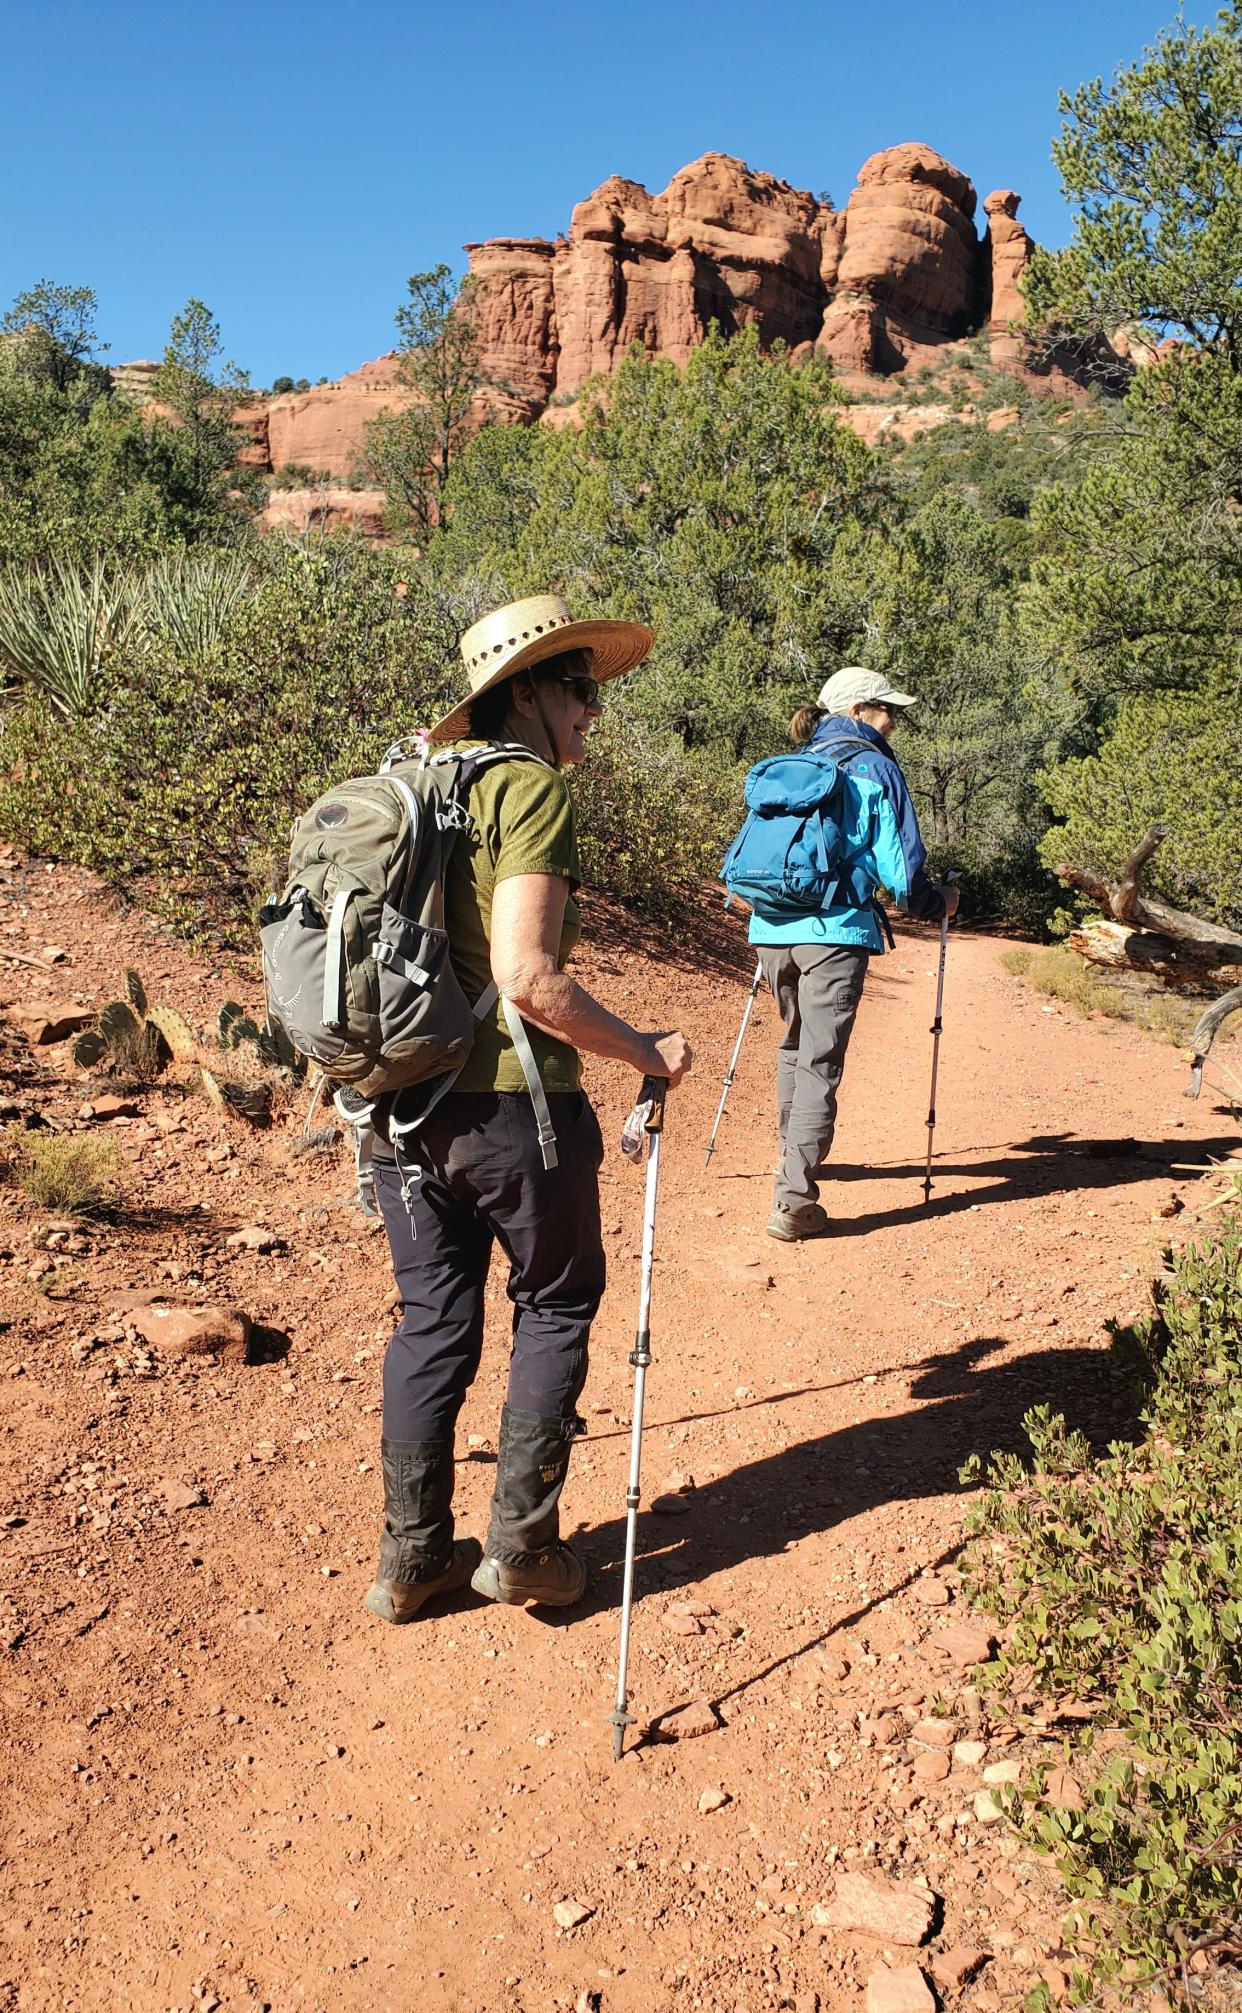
(524, 1558)
(417, 1556)
(400, 1600)
(790, 1226)
(554, 1579)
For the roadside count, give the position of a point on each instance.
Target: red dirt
(228, 1786)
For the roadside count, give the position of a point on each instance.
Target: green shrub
(65, 1171)
(651, 828)
(187, 776)
(299, 475)
(1175, 761)
(256, 683)
(1119, 1579)
(1001, 877)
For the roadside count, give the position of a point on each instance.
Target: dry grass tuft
(1065, 976)
(1070, 979)
(65, 1171)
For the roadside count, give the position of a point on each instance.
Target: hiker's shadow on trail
(1046, 1164)
(769, 1505)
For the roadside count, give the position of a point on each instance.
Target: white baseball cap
(855, 686)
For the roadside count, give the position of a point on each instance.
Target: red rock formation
(886, 282)
(896, 270)
(517, 319)
(325, 428)
(907, 274)
(1008, 249)
(720, 244)
(304, 510)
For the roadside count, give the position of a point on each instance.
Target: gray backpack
(355, 952)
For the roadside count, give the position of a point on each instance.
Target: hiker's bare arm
(528, 911)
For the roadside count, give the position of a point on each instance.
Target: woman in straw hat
(483, 1151)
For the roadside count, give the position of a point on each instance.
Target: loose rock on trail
(226, 1785)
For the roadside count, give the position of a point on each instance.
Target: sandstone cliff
(883, 284)
(898, 272)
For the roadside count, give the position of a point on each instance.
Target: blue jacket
(884, 845)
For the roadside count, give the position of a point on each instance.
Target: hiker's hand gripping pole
(755, 984)
(936, 1028)
(651, 1097)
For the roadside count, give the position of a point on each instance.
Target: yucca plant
(189, 597)
(59, 624)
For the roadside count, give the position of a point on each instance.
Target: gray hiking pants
(817, 988)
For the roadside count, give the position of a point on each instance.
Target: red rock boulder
(908, 271)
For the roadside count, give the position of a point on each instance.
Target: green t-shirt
(522, 822)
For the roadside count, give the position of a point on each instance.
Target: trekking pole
(936, 1026)
(648, 1118)
(755, 984)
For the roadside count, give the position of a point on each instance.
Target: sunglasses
(586, 690)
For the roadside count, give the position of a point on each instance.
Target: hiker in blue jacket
(816, 964)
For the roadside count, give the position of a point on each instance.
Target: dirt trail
(227, 1786)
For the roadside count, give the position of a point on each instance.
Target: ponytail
(804, 723)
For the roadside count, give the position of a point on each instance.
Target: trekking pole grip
(654, 1092)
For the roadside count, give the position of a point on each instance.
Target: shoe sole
(796, 1236)
(486, 1581)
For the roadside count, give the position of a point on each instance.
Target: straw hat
(512, 639)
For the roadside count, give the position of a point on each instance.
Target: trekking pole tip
(619, 1720)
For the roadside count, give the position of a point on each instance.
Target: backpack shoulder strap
(842, 750)
(471, 765)
(489, 756)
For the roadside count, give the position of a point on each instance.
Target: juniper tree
(411, 453)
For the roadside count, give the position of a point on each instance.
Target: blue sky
(292, 165)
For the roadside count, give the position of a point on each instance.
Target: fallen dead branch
(1143, 934)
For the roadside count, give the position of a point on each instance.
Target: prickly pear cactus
(283, 1050)
(89, 1049)
(271, 1044)
(176, 1031)
(118, 1024)
(127, 1036)
(226, 1020)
